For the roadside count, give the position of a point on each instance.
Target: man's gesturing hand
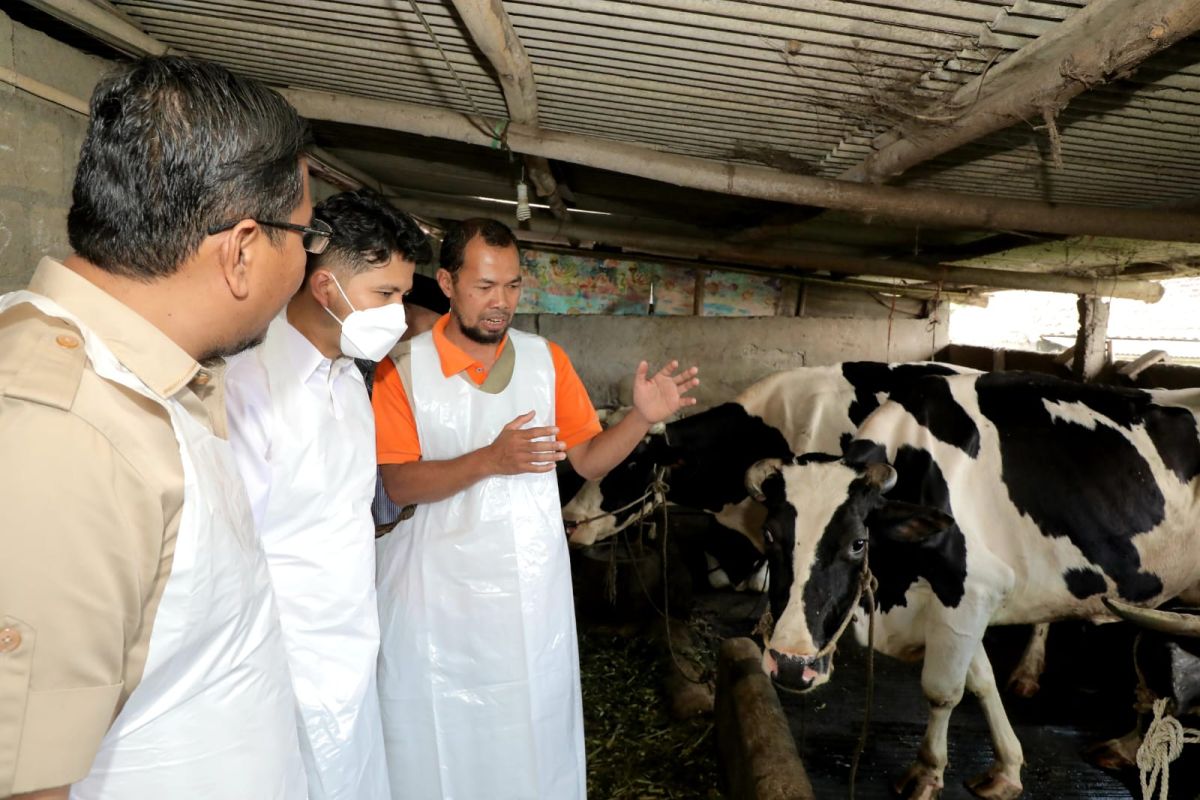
(519, 449)
(660, 396)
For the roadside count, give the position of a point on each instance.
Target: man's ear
(908, 523)
(320, 286)
(236, 256)
(445, 281)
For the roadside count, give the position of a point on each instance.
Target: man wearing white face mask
(304, 437)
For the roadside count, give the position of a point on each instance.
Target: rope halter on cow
(867, 584)
(656, 494)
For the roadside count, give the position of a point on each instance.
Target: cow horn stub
(880, 475)
(1169, 622)
(758, 472)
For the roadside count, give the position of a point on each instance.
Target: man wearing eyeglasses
(140, 648)
(304, 436)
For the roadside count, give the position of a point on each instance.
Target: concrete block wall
(39, 147)
(732, 352)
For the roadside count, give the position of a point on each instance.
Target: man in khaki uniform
(139, 646)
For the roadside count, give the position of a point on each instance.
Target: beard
(479, 335)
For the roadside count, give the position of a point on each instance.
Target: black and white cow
(802, 410)
(981, 499)
(796, 411)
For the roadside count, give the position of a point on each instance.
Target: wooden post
(1091, 351)
(698, 293)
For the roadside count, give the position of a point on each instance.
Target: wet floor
(1086, 697)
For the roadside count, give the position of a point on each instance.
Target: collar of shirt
(316, 371)
(452, 357)
(146, 351)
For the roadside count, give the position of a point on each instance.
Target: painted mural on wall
(556, 283)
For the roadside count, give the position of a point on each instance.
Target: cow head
(600, 508)
(822, 514)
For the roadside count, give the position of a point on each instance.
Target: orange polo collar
(452, 357)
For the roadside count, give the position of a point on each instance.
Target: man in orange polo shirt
(479, 670)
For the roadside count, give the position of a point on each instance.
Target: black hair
(175, 147)
(367, 230)
(427, 294)
(460, 234)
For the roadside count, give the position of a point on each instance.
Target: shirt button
(479, 369)
(67, 342)
(10, 639)
(202, 379)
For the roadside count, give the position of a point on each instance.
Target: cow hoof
(1023, 686)
(919, 783)
(1115, 755)
(992, 785)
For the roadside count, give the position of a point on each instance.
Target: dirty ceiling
(1060, 102)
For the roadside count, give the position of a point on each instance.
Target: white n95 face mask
(372, 332)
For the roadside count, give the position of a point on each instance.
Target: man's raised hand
(660, 396)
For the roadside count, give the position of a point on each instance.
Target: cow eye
(768, 534)
(857, 547)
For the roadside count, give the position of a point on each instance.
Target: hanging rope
(1162, 744)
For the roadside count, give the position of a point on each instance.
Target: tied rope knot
(1162, 744)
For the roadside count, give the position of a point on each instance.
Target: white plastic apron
(320, 542)
(479, 669)
(213, 716)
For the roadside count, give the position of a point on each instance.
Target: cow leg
(1024, 679)
(1003, 780)
(943, 678)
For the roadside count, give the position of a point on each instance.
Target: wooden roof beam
(795, 263)
(916, 206)
(494, 34)
(1103, 42)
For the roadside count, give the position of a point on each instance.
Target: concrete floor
(1085, 697)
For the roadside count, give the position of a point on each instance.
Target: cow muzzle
(795, 672)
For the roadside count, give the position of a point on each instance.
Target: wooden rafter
(494, 34)
(1097, 44)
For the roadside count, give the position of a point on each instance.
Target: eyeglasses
(314, 239)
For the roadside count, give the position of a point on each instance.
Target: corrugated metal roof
(808, 84)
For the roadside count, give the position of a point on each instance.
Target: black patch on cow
(869, 378)
(631, 478)
(779, 535)
(710, 453)
(738, 557)
(1173, 431)
(1091, 486)
(941, 560)
(569, 482)
(1084, 583)
(861, 452)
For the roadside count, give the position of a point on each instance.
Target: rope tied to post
(1162, 744)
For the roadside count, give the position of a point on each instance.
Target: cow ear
(757, 475)
(880, 475)
(908, 523)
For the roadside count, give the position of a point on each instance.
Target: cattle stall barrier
(756, 750)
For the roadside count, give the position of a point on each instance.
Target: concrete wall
(39, 146)
(732, 353)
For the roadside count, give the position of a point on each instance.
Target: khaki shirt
(91, 490)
